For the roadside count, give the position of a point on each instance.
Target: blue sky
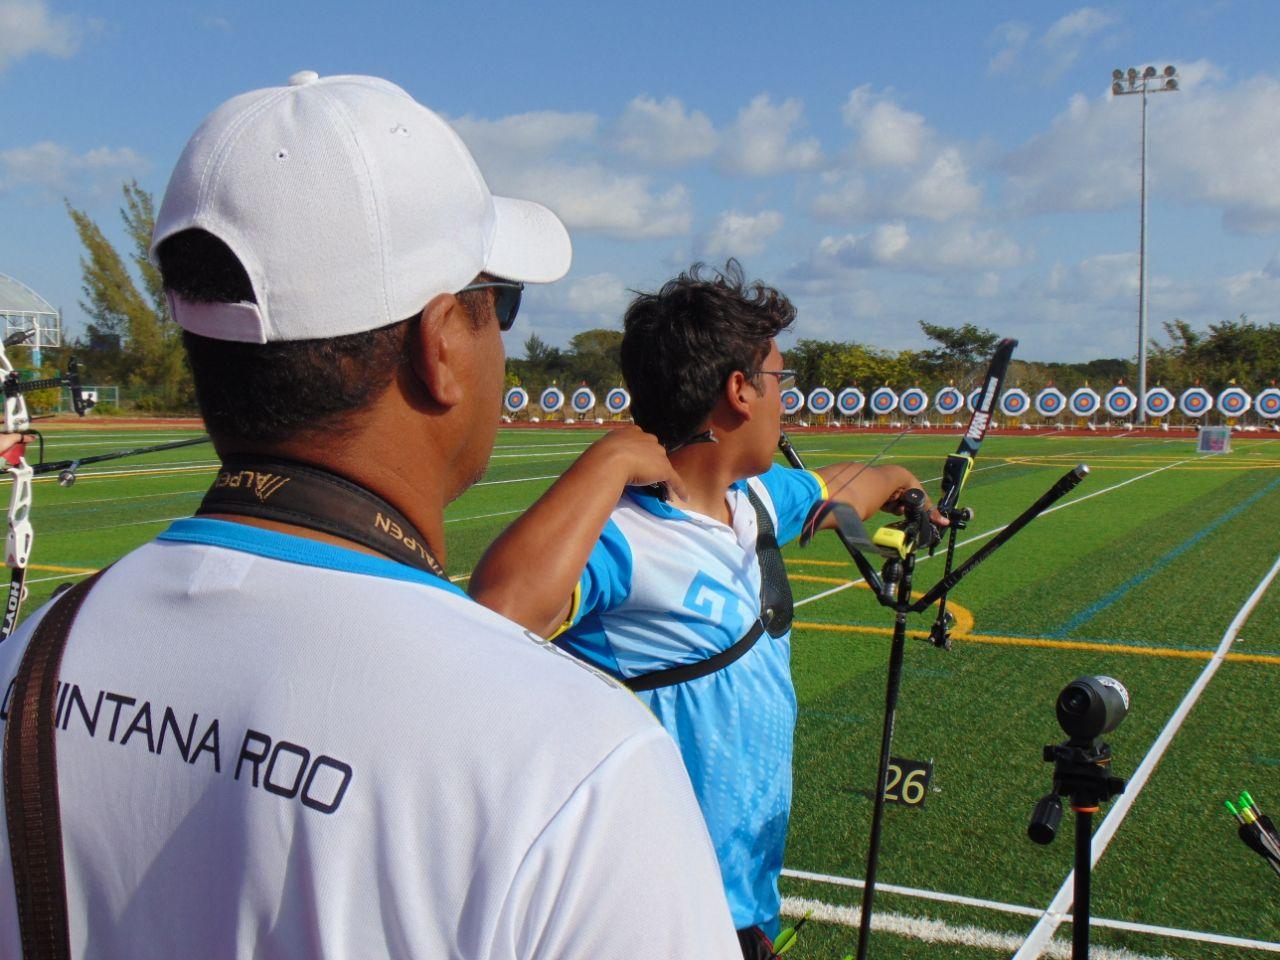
(881, 164)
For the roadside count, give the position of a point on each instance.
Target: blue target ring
(1234, 402)
(517, 399)
(850, 401)
(1050, 401)
(582, 400)
(617, 400)
(792, 400)
(913, 401)
(1268, 403)
(1014, 403)
(948, 400)
(1120, 401)
(1195, 402)
(1159, 401)
(1083, 402)
(552, 399)
(884, 401)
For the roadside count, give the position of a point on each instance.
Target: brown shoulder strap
(31, 785)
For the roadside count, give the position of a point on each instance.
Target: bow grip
(954, 474)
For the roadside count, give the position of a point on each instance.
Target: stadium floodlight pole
(1125, 83)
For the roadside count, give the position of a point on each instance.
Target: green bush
(106, 410)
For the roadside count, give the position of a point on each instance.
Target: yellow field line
(818, 563)
(52, 569)
(1045, 643)
(963, 615)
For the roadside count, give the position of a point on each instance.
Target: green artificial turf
(1136, 574)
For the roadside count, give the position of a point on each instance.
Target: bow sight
(899, 545)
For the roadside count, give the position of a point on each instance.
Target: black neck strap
(307, 496)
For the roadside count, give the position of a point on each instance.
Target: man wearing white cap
(281, 730)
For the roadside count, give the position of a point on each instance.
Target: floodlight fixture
(1143, 85)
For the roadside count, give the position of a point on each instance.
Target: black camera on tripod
(1087, 708)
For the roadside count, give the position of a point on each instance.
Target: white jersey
(273, 747)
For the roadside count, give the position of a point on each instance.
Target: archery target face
(582, 400)
(914, 401)
(1015, 402)
(820, 400)
(1195, 402)
(850, 401)
(1121, 401)
(617, 400)
(516, 399)
(884, 401)
(1050, 402)
(792, 400)
(1159, 402)
(1234, 402)
(971, 401)
(1084, 402)
(948, 400)
(552, 399)
(1268, 403)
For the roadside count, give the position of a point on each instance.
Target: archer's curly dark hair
(273, 391)
(680, 345)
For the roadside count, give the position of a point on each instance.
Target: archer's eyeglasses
(506, 302)
(786, 378)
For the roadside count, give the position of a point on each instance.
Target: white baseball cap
(350, 206)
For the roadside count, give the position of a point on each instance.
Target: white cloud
(588, 196)
(539, 133)
(942, 191)
(759, 142)
(598, 295)
(1060, 46)
(55, 168)
(740, 234)
(1011, 39)
(959, 248)
(1076, 27)
(27, 27)
(1069, 36)
(887, 135)
(664, 132)
(1208, 144)
(551, 157)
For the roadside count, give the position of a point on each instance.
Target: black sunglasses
(506, 302)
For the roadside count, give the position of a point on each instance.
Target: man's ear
(436, 348)
(738, 394)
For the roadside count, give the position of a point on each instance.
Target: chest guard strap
(777, 608)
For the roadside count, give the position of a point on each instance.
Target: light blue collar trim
(292, 549)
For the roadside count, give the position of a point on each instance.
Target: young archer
(655, 558)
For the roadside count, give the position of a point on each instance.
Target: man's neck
(707, 472)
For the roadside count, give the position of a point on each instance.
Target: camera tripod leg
(1080, 908)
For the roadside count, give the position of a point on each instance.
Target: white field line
(1013, 908)
(938, 931)
(1055, 913)
(994, 531)
(542, 446)
(64, 442)
(491, 483)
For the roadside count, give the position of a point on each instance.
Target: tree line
(132, 341)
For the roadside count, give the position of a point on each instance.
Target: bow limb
(20, 534)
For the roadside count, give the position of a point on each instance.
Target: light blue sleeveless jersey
(664, 587)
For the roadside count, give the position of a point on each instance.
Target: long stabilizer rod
(1067, 483)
